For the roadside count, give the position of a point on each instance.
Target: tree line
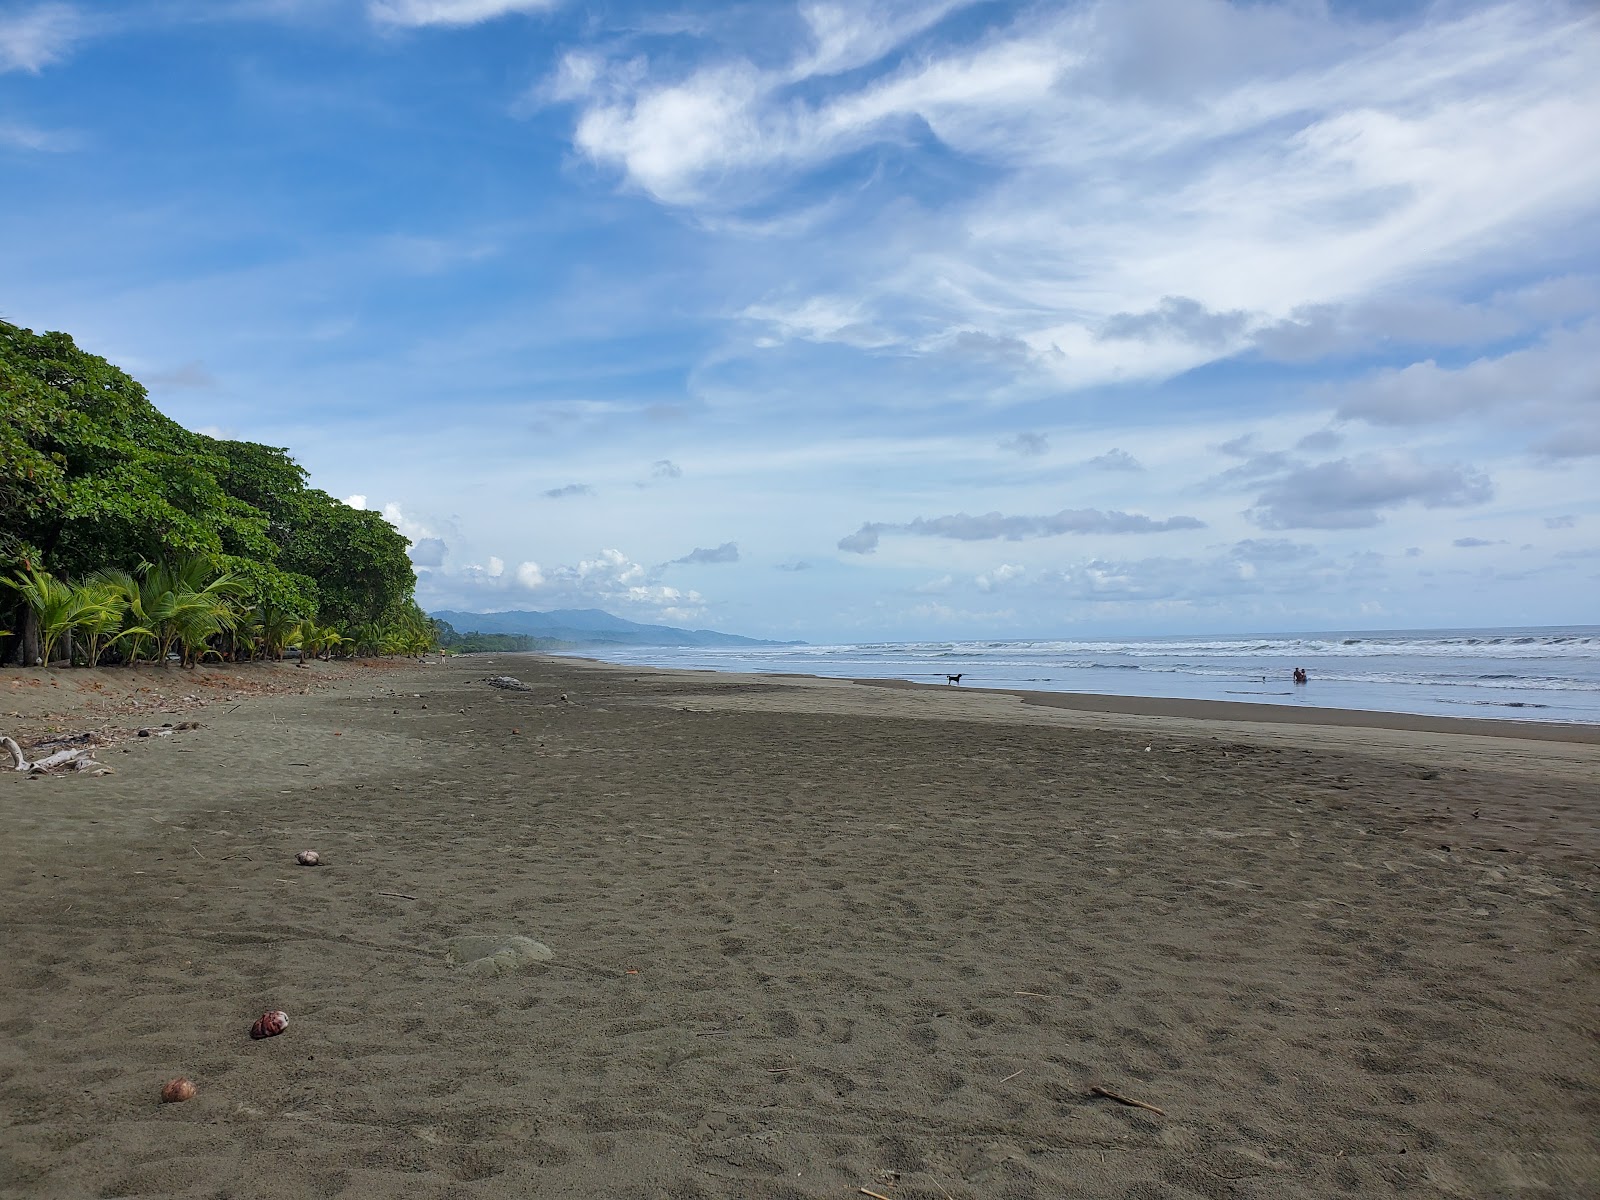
(126, 537)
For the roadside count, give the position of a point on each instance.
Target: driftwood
(1130, 1102)
(61, 760)
(508, 683)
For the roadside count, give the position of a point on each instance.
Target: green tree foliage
(93, 478)
(356, 557)
(447, 639)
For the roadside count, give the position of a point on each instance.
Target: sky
(863, 320)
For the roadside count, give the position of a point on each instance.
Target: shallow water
(1534, 674)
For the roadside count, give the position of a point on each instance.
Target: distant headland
(570, 628)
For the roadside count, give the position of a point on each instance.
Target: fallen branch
(873, 1194)
(1131, 1103)
(61, 760)
(397, 895)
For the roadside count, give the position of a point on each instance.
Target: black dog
(956, 679)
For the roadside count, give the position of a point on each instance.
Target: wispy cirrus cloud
(33, 37)
(1227, 166)
(994, 525)
(451, 12)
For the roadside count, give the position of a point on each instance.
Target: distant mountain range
(592, 627)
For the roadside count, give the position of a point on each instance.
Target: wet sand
(808, 937)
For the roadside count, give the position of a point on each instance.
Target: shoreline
(808, 937)
(1280, 714)
(1220, 711)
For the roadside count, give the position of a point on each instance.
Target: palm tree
(101, 611)
(187, 602)
(127, 589)
(54, 601)
(274, 629)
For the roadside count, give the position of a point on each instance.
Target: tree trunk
(28, 642)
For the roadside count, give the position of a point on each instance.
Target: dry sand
(808, 938)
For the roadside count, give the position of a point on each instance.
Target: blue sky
(878, 319)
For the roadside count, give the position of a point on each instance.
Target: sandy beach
(808, 939)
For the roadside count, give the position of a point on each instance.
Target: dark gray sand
(803, 938)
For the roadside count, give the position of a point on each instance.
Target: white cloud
(1245, 162)
(22, 136)
(1005, 573)
(33, 38)
(357, 501)
(450, 12)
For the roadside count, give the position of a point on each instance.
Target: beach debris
(61, 760)
(873, 1194)
(1128, 1100)
(397, 895)
(176, 1091)
(308, 858)
(507, 683)
(496, 954)
(269, 1024)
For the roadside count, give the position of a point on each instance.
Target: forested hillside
(106, 504)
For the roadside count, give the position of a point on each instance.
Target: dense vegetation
(124, 536)
(498, 643)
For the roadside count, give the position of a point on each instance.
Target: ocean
(1535, 674)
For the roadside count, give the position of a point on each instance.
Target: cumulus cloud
(726, 553)
(1027, 444)
(1115, 460)
(571, 489)
(358, 501)
(994, 525)
(1354, 493)
(1472, 543)
(609, 580)
(665, 468)
(32, 38)
(428, 552)
(450, 12)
